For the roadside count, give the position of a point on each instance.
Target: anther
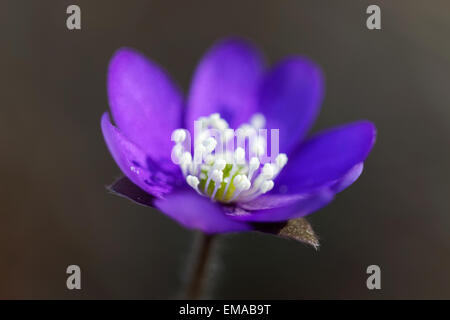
(241, 183)
(193, 182)
(217, 177)
(178, 135)
(258, 121)
(281, 160)
(239, 156)
(177, 150)
(185, 162)
(268, 171)
(266, 186)
(209, 144)
(220, 164)
(253, 166)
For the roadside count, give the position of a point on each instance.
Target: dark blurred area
(54, 165)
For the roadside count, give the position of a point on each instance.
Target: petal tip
(304, 64)
(124, 53)
(105, 123)
(235, 42)
(369, 128)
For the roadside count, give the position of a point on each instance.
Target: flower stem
(195, 287)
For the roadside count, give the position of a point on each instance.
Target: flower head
(216, 182)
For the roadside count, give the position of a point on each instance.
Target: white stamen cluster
(226, 176)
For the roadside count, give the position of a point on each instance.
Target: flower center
(220, 171)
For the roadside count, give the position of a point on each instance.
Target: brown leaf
(299, 229)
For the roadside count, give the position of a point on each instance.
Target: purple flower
(230, 89)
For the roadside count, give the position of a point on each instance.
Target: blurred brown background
(55, 211)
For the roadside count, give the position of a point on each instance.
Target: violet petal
(270, 201)
(327, 157)
(145, 104)
(196, 212)
(349, 178)
(134, 162)
(300, 208)
(225, 81)
(290, 98)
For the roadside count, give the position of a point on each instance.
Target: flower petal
(349, 178)
(135, 164)
(270, 201)
(145, 104)
(225, 81)
(306, 205)
(290, 98)
(196, 212)
(327, 157)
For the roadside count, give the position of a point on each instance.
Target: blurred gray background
(54, 165)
